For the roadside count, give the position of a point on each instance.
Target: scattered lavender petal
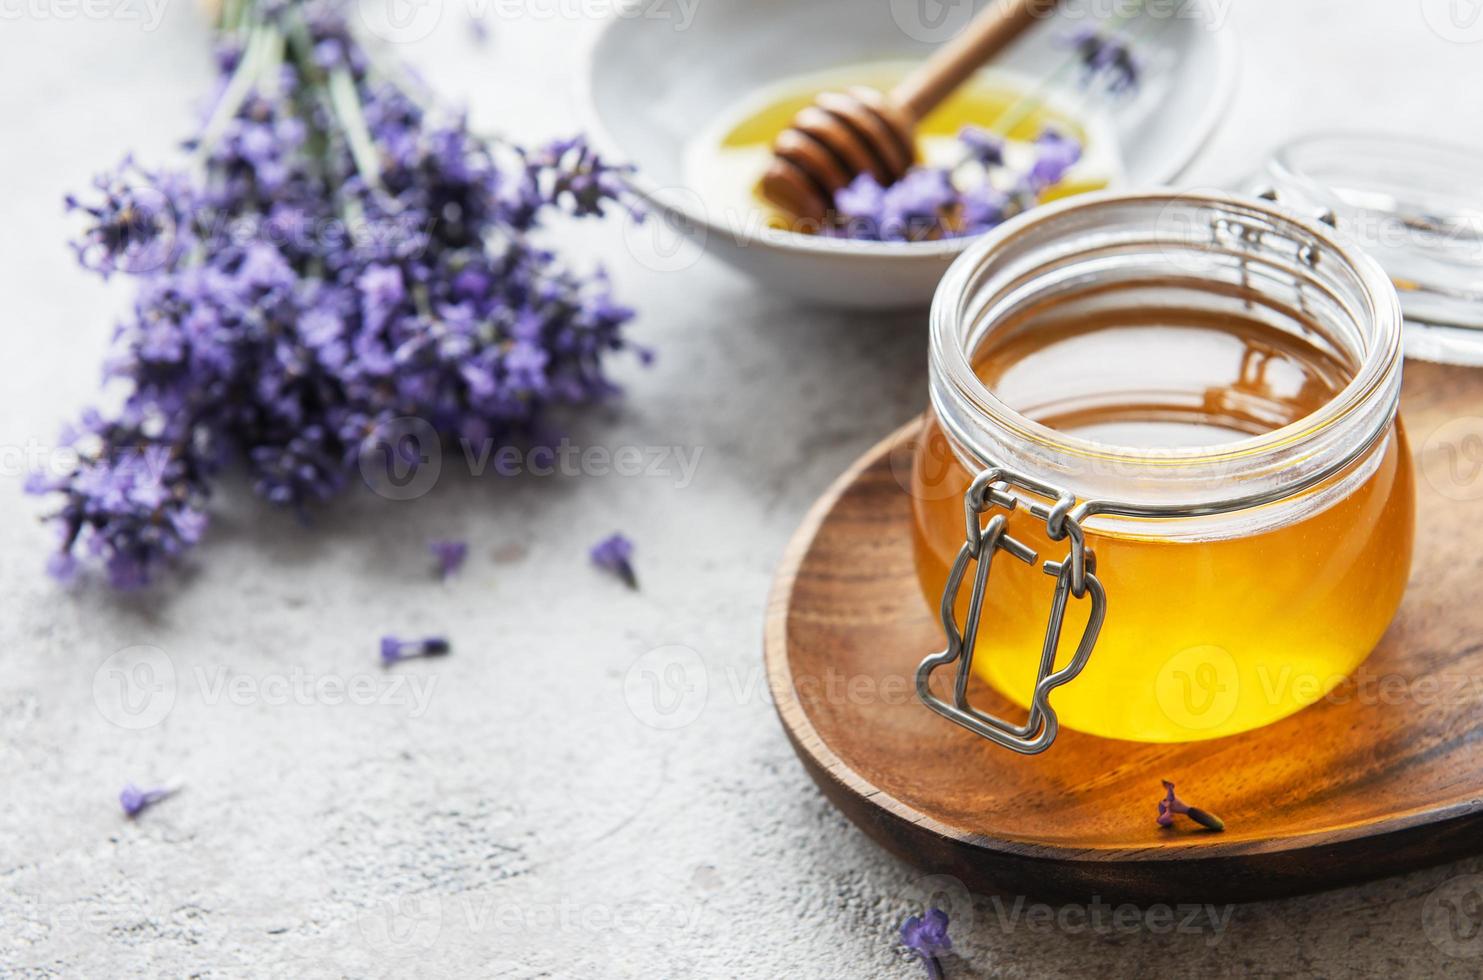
(1055, 153)
(1107, 58)
(449, 556)
(135, 800)
(983, 207)
(615, 554)
(1171, 805)
(984, 147)
(913, 207)
(62, 566)
(478, 29)
(394, 649)
(927, 937)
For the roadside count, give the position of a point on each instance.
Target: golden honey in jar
(1214, 383)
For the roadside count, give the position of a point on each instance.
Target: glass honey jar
(1167, 423)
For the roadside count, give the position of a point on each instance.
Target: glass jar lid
(1416, 206)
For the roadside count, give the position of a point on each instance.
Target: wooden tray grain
(1381, 777)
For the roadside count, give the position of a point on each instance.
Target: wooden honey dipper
(843, 134)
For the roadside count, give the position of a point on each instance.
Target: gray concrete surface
(528, 808)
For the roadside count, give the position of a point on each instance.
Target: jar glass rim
(1376, 371)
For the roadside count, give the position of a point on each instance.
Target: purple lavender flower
(568, 173)
(133, 220)
(394, 649)
(1055, 154)
(1106, 58)
(62, 566)
(984, 148)
(614, 553)
(343, 257)
(930, 203)
(862, 199)
(1171, 805)
(927, 937)
(913, 207)
(135, 800)
(982, 207)
(478, 30)
(449, 556)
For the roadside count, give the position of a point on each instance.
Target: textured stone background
(517, 814)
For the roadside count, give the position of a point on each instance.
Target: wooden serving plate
(1381, 777)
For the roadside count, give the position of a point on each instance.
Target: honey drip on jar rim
(1203, 638)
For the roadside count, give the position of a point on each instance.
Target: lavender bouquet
(336, 254)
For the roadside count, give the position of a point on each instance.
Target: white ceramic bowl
(654, 81)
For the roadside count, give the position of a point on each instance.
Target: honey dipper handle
(989, 31)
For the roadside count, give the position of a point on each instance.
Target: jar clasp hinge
(1075, 578)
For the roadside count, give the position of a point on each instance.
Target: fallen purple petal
(448, 556)
(394, 649)
(1055, 153)
(1107, 59)
(1171, 805)
(135, 800)
(926, 936)
(983, 147)
(615, 554)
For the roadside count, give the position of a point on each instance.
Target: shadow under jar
(1167, 421)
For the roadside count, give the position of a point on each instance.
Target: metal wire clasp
(1075, 578)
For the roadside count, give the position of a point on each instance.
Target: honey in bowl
(1210, 629)
(725, 163)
